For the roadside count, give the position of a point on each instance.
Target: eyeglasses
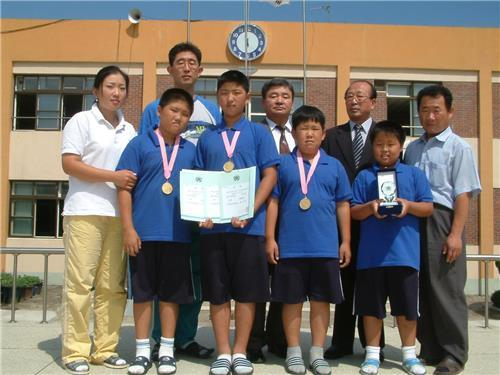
(192, 64)
(359, 97)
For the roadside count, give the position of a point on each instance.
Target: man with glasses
(185, 68)
(348, 143)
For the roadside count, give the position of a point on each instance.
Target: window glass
(72, 104)
(48, 102)
(257, 105)
(37, 213)
(30, 83)
(74, 83)
(398, 89)
(22, 208)
(22, 227)
(46, 188)
(49, 83)
(26, 111)
(89, 83)
(89, 100)
(22, 188)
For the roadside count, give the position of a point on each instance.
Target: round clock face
(255, 41)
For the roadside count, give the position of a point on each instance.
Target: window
(48, 102)
(36, 207)
(402, 104)
(207, 88)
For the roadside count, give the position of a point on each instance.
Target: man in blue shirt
(448, 163)
(185, 67)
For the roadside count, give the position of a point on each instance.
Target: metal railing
(16, 251)
(486, 259)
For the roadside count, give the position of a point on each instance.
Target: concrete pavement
(29, 347)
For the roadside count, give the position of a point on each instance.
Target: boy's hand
(272, 251)
(125, 179)
(452, 248)
(131, 242)
(237, 223)
(375, 204)
(207, 224)
(405, 206)
(344, 255)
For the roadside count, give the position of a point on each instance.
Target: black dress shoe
(427, 361)
(448, 366)
(335, 353)
(278, 351)
(255, 356)
(154, 352)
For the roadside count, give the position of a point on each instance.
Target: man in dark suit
(277, 100)
(349, 143)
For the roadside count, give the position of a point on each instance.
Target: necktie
(357, 145)
(284, 149)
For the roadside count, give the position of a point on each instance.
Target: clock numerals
(247, 46)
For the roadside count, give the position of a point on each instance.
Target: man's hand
(452, 248)
(125, 179)
(207, 224)
(237, 223)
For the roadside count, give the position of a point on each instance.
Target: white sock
(166, 347)
(142, 348)
(295, 351)
(372, 352)
(408, 352)
(316, 352)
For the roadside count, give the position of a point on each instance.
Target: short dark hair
(436, 91)
(307, 113)
(276, 82)
(234, 76)
(107, 71)
(373, 90)
(176, 94)
(388, 127)
(183, 47)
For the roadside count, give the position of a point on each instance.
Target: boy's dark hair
(176, 94)
(436, 91)
(234, 76)
(276, 82)
(388, 127)
(183, 47)
(107, 71)
(373, 90)
(307, 113)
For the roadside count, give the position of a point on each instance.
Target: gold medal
(228, 166)
(305, 204)
(167, 188)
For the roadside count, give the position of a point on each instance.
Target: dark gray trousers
(442, 326)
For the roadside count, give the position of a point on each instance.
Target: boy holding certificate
(311, 195)
(233, 255)
(154, 236)
(389, 248)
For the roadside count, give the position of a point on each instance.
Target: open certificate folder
(217, 195)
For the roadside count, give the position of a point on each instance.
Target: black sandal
(195, 350)
(142, 362)
(113, 362)
(73, 367)
(166, 361)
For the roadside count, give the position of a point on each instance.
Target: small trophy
(388, 192)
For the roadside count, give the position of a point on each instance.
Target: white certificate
(217, 195)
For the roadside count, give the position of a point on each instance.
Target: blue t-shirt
(255, 147)
(311, 233)
(390, 241)
(205, 115)
(156, 216)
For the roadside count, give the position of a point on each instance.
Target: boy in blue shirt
(389, 248)
(233, 257)
(154, 236)
(312, 193)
